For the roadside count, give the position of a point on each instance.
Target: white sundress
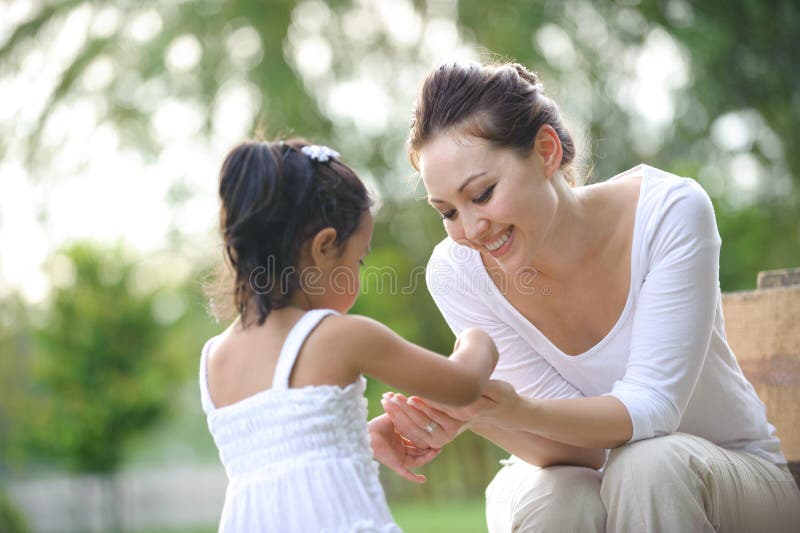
(297, 459)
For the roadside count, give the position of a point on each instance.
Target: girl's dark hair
(274, 198)
(504, 104)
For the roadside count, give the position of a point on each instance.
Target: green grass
(197, 529)
(413, 517)
(441, 517)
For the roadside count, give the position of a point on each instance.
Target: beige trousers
(677, 483)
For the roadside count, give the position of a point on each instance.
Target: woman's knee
(658, 458)
(639, 469)
(562, 498)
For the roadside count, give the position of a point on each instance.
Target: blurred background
(115, 116)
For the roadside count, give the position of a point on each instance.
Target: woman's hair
(274, 198)
(504, 104)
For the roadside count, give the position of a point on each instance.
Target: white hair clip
(319, 153)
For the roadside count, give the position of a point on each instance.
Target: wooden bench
(763, 329)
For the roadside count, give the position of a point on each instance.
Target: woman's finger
(440, 417)
(405, 425)
(423, 415)
(441, 427)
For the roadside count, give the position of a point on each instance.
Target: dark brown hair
(504, 104)
(274, 198)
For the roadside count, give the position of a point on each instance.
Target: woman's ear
(323, 247)
(547, 146)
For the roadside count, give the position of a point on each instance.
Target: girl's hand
(422, 424)
(396, 452)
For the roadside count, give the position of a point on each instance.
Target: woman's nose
(476, 229)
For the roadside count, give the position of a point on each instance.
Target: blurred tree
(166, 50)
(713, 66)
(11, 521)
(14, 376)
(744, 57)
(102, 372)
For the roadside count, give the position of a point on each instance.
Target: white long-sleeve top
(666, 358)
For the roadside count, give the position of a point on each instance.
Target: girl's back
(286, 451)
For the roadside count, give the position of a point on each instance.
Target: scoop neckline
(628, 301)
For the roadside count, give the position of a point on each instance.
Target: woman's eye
(448, 215)
(483, 198)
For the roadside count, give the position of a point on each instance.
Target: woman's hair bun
(527, 75)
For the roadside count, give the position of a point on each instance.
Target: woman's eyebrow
(469, 179)
(461, 188)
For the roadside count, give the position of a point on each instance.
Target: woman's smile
(499, 246)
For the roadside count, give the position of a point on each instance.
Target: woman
(604, 302)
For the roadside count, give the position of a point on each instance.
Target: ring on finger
(431, 427)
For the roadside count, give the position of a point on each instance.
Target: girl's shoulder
(340, 345)
(350, 331)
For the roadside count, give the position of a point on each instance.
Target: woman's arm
(596, 422)
(674, 316)
(411, 417)
(541, 451)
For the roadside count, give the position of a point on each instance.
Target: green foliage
(11, 520)
(739, 56)
(758, 237)
(14, 370)
(101, 370)
(143, 78)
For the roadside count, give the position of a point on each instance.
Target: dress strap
(294, 342)
(205, 397)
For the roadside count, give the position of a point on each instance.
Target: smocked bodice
(275, 429)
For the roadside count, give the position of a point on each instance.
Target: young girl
(282, 387)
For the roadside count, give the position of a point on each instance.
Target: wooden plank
(763, 329)
(778, 278)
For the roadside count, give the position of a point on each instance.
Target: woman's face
(491, 199)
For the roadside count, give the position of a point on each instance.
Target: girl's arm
(379, 352)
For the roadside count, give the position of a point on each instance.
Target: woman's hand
(396, 452)
(432, 425)
(496, 407)
(422, 424)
